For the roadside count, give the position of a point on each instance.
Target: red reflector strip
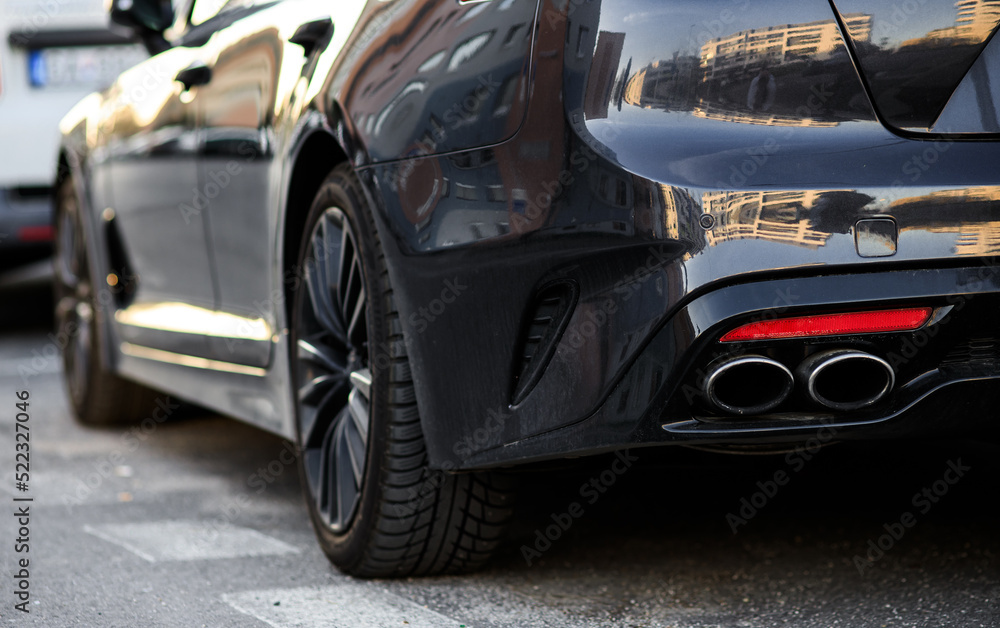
(832, 325)
(35, 234)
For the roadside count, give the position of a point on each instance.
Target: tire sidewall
(343, 191)
(80, 399)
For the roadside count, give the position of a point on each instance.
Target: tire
(98, 397)
(376, 507)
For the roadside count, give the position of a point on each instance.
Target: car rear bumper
(945, 371)
(595, 257)
(586, 329)
(25, 224)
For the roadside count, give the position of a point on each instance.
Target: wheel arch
(326, 140)
(317, 155)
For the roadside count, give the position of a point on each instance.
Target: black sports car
(433, 239)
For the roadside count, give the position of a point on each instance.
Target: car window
(205, 10)
(213, 18)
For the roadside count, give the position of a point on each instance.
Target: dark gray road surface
(198, 521)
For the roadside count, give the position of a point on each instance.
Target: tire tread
(426, 522)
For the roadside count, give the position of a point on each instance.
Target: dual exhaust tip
(839, 379)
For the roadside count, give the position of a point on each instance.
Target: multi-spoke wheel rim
(74, 295)
(333, 377)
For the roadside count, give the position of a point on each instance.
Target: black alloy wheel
(377, 507)
(332, 367)
(97, 395)
(73, 293)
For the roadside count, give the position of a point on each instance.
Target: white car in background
(52, 54)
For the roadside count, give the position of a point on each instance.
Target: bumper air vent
(976, 351)
(545, 323)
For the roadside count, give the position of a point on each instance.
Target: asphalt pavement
(198, 521)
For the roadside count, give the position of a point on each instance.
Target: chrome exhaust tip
(845, 379)
(750, 384)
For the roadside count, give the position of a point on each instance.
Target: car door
(164, 206)
(155, 219)
(238, 113)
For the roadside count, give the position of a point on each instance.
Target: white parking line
(405, 604)
(344, 605)
(22, 366)
(189, 540)
(494, 604)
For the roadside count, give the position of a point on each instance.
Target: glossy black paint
(617, 212)
(948, 368)
(972, 109)
(424, 78)
(913, 55)
(646, 174)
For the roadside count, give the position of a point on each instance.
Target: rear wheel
(377, 509)
(97, 395)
